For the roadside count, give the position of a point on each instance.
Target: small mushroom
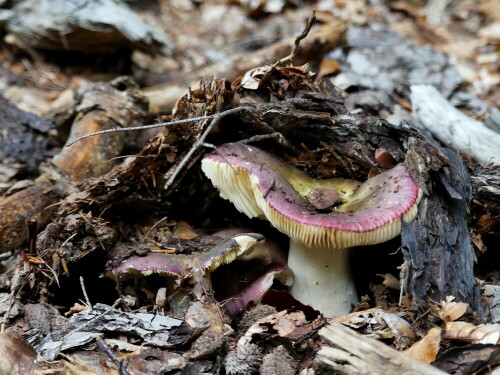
(261, 185)
(245, 247)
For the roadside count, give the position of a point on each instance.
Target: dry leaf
(450, 311)
(183, 230)
(359, 319)
(283, 322)
(480, 334)
(390, 281)
(328, 67)
(426, 349)
(398, 326)
(252, 79)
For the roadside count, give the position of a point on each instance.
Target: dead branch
(296, 43)
(144, 127)
(350, 353)
(199, 143)
(121, 365)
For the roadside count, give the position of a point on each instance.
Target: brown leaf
(183, 230)
(252, 79)
(390, 281)
(450, 311)
(360, 318)
(426, 349)
(328, 67)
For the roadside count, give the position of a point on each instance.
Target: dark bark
(436, 245)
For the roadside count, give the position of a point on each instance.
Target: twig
(122, 366)
(199, 143)
(154, 226)
(261, 137)
(304, 33)
(159, 125)
(87, 300)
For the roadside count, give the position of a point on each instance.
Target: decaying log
(22, 146)
(25, 204)
(347, 352)
(453, 128)
(162, 98)
(436, 245)
(101, 106)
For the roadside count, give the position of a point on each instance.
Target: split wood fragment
(452, 127)
(350, 353)
(101, 106)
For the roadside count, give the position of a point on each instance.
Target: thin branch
(199, 143)
(84, 290)
(261, 137)
(122, 366)
(304, 33)
(159, 125)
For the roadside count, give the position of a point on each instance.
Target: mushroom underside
(261, 185)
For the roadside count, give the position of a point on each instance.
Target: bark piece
(5, 305)
(155, 361)
(22, 145)
(492, 294)
(440, 233)
(350, 353)
(155, 330)
(452, 127)
(88, 25)
(100, 107)
(207, 345)
(398, 69)
(30, 203)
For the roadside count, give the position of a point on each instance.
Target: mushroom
(264, 186)
(250, 249)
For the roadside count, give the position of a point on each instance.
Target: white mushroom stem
(322, 279)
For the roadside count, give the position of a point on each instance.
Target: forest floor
(119, 256)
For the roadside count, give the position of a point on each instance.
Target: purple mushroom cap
(271, 192)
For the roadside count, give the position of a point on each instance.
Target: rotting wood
(15, 209)
(436, 245)
(162, 98)
(100, 106)
(347, 352)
